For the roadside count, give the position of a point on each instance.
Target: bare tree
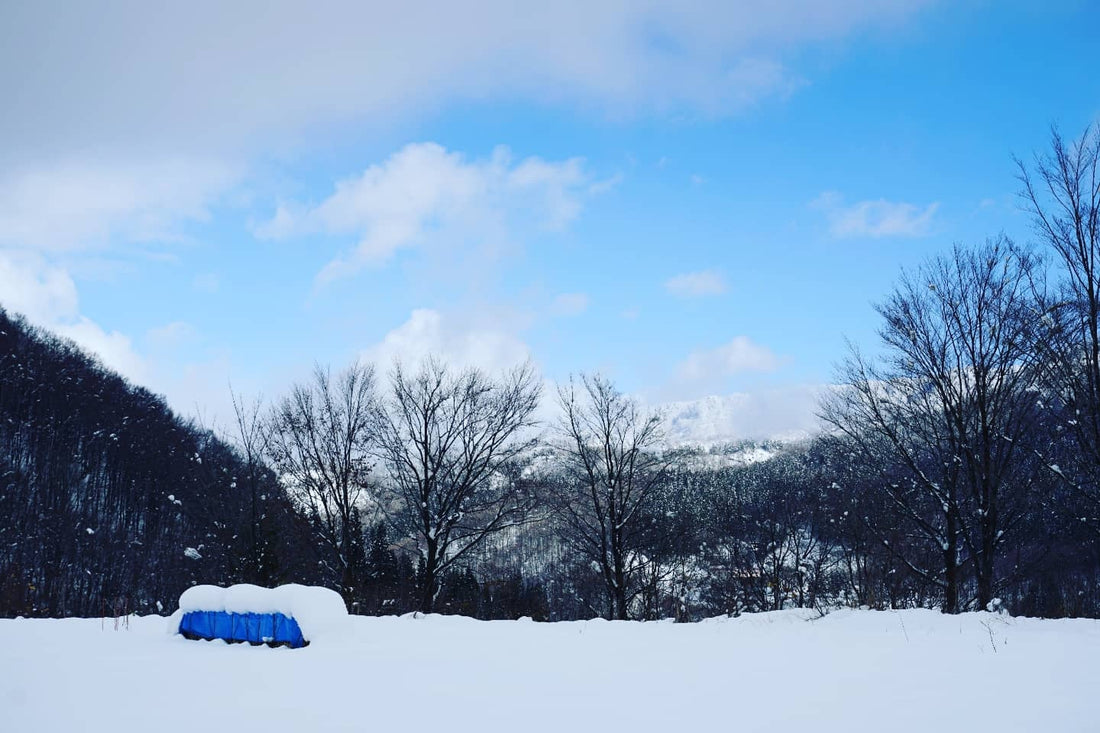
(447, 439)
(614, 468)
(320, 443)
(1061, 191)
(952, 403)
(249, 435)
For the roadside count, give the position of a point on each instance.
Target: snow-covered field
(785, 671)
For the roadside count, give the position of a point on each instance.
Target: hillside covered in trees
(109, 502)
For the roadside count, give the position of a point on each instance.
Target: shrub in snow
(291, 615)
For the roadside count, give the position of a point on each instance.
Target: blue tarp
(255, 628)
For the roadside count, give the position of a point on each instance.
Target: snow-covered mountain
(784, 416)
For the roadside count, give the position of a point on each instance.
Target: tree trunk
(620, 604)
(951, 567)
(986, 565)
(430, 580)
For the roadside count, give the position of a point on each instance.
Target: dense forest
(958, 468)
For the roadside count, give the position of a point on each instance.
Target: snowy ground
(850, 671)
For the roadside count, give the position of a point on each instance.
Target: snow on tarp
(294, 615)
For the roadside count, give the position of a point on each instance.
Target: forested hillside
(109, 502)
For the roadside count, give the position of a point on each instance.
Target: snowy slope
(786, 671)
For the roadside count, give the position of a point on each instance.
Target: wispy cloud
(697, 284)
(874, 218)
(424, 191)
(170, 336)
(280, 75)
(709, 371)
(569, 304)
(80, 205)
(738, 356)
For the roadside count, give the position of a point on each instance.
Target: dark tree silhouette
(447, 439)
(320, 438)
(110, 503)
(952, 405)
(1061, 191)
(609, 449)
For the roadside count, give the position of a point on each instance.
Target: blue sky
(700, 198)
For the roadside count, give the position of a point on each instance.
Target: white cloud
(738, 356)
(170, 336)
(777, 412)
(47, 296)
(597, 188)
(696, 284)
(709, 371)
(78, 205)
(208, 75)
(757, 78)
(879, 218)
(699, 406)
(423, 192)
(35, 289)
(569, 304)
(459, 341)
(114, 349)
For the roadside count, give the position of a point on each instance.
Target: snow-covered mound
(915, 670)
(318, 611)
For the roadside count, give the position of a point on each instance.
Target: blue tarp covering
(256, 628)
